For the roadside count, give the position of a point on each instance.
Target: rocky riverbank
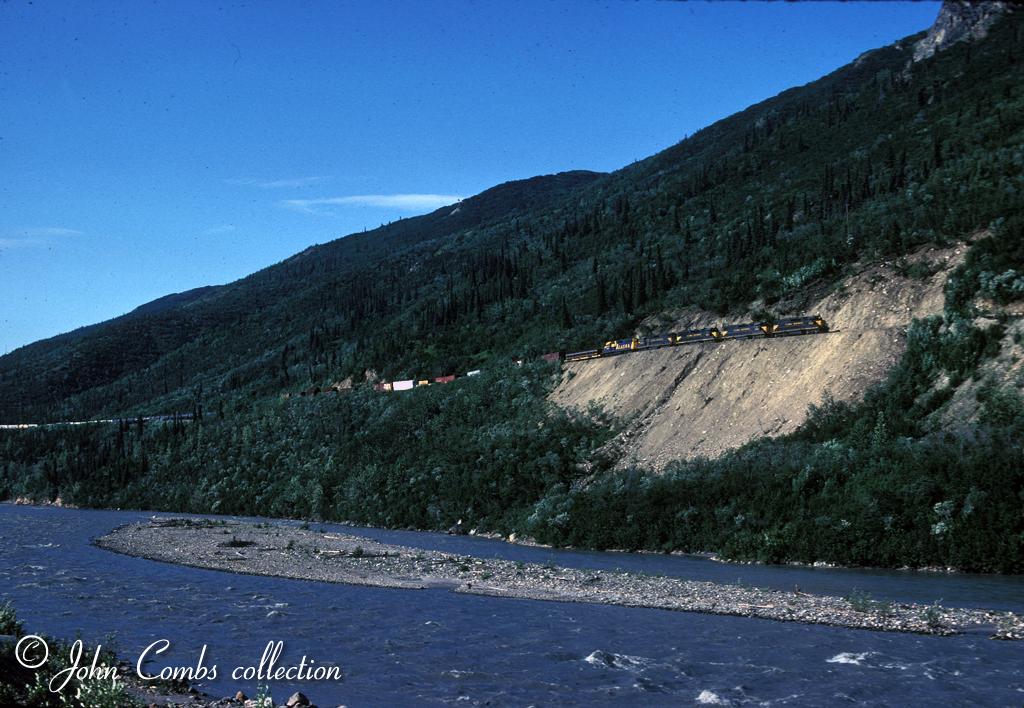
(303, 553)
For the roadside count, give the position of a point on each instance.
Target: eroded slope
(702, 400)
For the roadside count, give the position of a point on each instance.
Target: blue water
(433, 647)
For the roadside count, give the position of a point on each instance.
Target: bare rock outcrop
(957, 21)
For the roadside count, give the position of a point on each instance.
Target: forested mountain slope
(887, 194)
(871, 161)
(282, 326)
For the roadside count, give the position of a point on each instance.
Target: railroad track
(786, 327)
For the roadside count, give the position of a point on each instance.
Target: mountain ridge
(722, 198)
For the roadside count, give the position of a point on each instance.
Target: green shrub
(9, 623)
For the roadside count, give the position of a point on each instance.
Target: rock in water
(297, 699)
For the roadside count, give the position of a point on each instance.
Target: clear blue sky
(152, 147)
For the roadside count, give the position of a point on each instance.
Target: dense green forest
(869, 162)
(861, 484)
(480, 449)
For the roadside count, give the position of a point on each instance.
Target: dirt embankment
(702, 400)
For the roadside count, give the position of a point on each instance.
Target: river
(434, 647)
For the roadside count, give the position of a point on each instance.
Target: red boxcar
(445, 379)
(553, 356)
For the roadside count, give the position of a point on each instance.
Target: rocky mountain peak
(958, 20)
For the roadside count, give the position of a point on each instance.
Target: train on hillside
(786, 327)
(415, 383)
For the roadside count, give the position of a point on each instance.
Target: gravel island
(302, 553)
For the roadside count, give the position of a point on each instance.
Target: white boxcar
(402, 385)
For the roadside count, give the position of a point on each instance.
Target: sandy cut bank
(303, 553)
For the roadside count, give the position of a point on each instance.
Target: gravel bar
(306, 554)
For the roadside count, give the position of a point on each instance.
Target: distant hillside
(280, 326)
(174, 300)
